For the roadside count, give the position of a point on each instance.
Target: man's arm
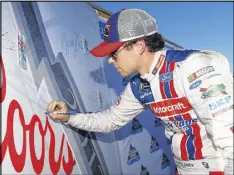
(210, 92)
(108, 120)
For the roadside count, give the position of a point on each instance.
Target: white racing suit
(192, 94)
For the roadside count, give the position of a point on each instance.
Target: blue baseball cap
(125, 25)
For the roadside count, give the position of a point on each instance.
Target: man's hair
(154, 42)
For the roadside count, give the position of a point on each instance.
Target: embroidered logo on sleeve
(200, 73)
(220, 103)
(195, 84)
(222, 111)
(213, 91)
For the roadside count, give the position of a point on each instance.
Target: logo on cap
(107, 31)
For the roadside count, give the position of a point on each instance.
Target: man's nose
(110, 60)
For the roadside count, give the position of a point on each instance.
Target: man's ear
(140, 47)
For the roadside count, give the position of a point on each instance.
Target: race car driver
(191, 91)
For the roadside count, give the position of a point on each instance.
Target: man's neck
(146, 63)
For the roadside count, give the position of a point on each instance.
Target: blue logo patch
(195, 84)
(166, 77)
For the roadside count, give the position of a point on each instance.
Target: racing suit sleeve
(211, 95)
(111, 119)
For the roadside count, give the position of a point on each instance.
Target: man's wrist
(67, 119)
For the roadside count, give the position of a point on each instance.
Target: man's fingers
(52, 105)
(57, 105)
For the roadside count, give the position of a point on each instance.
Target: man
(191, 91)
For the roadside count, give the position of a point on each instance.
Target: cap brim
(105, 49)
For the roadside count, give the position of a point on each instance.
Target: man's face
(125, 60)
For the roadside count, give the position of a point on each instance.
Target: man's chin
(123, 74)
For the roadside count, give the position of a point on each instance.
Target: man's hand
(58, 106)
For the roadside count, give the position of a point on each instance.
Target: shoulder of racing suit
(141, 88)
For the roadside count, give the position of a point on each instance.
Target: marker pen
(70, 112)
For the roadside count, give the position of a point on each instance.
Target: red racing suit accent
(192, 94)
